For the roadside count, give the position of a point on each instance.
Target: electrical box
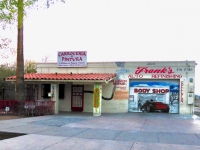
(191, 87)
(190, 98)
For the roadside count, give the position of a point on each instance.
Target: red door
(77, 98)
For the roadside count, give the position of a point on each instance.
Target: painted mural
(156, 96)
(97, 94)
(121, 82)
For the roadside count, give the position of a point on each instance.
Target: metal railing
(28, 108)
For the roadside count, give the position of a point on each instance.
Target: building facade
(116, 87)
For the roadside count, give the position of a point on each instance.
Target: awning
(66, 77)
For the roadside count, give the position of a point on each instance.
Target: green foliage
(6, 70)
(30, 66)
(11, 9)
(8, 10)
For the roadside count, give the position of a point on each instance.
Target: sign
(72, 59)
(96, 98)
(165, 72)
(147, 90)
(182, 92)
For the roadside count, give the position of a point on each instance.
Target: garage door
(154, 96)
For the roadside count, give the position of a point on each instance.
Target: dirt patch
(9, 117)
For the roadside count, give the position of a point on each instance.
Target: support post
(54, 97)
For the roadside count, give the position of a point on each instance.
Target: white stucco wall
(88, 101)
(65, 104)
(112, 106)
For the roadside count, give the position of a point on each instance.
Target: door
(77, 98)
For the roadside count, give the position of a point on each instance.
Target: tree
(6, 70)
(20, 87)
(10, 12)
(5, 49)
(30, 66)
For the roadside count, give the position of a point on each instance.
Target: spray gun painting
(156, 96)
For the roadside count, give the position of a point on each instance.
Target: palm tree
(8, 11)
(20, 87)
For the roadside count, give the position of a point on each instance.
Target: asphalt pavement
(119, 131)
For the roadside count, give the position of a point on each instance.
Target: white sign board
(72, 59)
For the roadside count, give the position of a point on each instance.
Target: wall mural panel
(121, 82)
(154, 96)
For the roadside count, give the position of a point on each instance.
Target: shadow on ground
(8, 135)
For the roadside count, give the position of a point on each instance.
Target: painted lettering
(146, 70)
(81, 53)
(170, 71)
(166, 76)
(135, 76)
(160, 90)
(122, 88)
(145, 90)
(182, 83)
(72, 59)
(179, 69)
(120, 82)
(141, 90)
(151, 63)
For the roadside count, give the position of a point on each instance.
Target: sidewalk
(122, 131)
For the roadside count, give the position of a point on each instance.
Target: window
(45, 90)
(61, 91)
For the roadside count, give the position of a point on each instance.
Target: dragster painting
(154, 96)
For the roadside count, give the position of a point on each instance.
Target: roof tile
(66, 76)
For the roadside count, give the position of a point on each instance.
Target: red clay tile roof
(66, 76)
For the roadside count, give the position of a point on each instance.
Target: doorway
(77, 96)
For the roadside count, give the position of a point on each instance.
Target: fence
(28, 108)
(7, 91)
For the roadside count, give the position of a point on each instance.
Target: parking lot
(109, 131)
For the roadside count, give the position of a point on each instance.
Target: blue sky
(153, 84)
(115, 30)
